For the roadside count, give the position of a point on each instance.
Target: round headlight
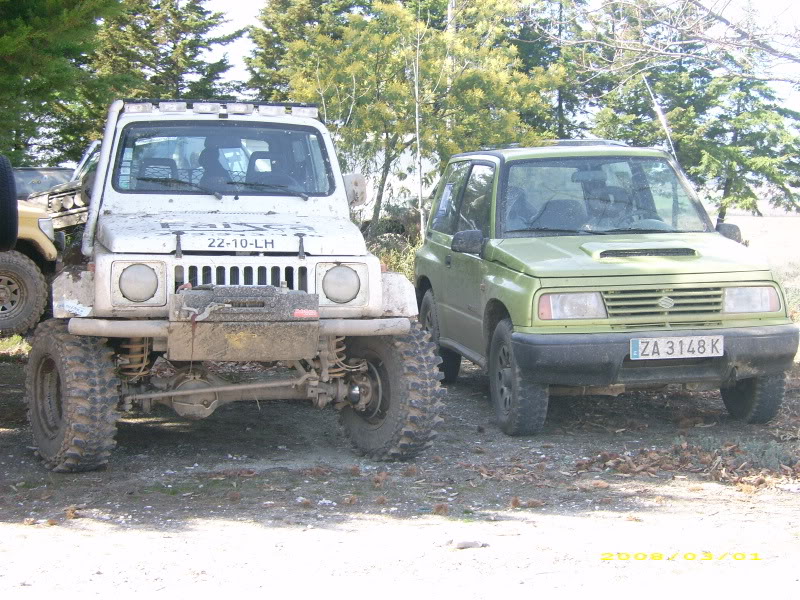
(341, 284)
(67, 202)
(138, 283)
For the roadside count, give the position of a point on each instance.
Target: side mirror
(468, 242)
(355, 186)
(730, 231)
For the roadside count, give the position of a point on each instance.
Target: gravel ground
(262, 496)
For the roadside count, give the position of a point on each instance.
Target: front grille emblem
(666, 302)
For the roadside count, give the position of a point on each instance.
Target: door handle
(448, 260)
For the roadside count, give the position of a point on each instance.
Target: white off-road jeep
(220, 231)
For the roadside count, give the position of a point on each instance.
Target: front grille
(648, 252)
(291, 277)
(663, 305)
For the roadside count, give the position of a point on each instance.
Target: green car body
(559, 267)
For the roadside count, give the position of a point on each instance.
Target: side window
(477, 200)
(449, 190)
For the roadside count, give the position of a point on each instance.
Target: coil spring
(338, 367)
(137, 353)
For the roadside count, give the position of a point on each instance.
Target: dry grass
(13, 348)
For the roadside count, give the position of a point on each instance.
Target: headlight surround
(341, 284)
(574, 305)
(753, 299)
(138, 283)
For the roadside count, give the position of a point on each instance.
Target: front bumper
(601, 359)
(152, 328)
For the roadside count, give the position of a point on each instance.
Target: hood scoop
(636, 252)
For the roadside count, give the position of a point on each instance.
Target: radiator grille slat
(664, 305)
(294, 278)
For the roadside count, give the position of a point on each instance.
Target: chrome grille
(289, 276)
(663, 304)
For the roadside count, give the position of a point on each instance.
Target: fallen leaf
(71, 512)
(441, 509)
(515, 502)
(380, 500)
(29, 521)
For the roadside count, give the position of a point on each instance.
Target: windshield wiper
(271, 186)
(172, 180)
(557, 230)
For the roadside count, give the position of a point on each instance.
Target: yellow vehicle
(24, 289)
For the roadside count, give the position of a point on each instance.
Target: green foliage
(373, 75)
(43, 45)
(144, 49)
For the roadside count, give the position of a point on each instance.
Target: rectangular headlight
(272, 110)
(239, 108)
(581, 305)
(312, 112)
(172, 106)
(206, 107)
(751, 300)
(138, 107)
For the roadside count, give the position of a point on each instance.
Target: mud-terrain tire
(520, 404)
(402, 421)
(9, 220)
(429, 317)
(23, 293)
(755, 400)
(72, 390)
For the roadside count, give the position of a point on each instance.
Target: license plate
(700, 346)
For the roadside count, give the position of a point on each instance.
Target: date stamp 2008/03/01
(679, 556)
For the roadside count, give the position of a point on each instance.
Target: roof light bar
(239, 108)
(272, 110)
(172, 106)
(138, 107)
(312, 112)
(206, 107)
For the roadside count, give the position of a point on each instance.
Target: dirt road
(645, 488)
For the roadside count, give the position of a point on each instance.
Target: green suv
(592, 268)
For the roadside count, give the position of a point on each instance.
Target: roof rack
(596, 142)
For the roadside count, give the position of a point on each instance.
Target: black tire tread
(421, 402)
(90, 394)
(451, 360)
(36, 292)
(755, 400)
(528, 415)
(9, 219)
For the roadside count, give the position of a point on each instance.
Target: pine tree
(43, 44)
(148, 49)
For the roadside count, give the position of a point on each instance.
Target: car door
(432, 256)
(462, 321)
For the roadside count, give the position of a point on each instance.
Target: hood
(229, 232)
(637, 254)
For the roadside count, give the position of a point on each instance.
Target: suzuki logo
(666, 302)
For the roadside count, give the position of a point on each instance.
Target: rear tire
(755, 400)
(23, 293)
(72, 391)
(520, 405)
(9, 220)
(401, 418)
(429, 317)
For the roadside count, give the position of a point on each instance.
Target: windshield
(33, 181)
(260, 159)
(596, 195)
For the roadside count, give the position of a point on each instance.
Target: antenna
(661, 116)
